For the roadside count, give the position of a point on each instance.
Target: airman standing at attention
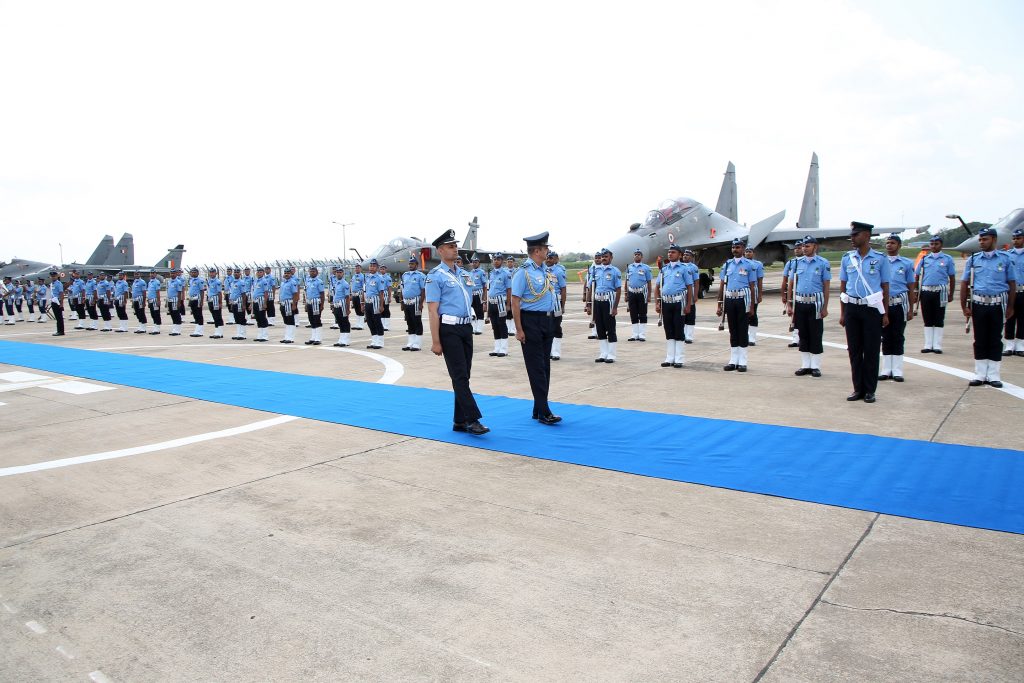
(196, 289)
(787, 270)
(449, 302)
(810, 279)
(588, 292)
(289, 304)
(560, 284)
(139, 302)
(638, 284)
(175, 292)
(57, 302)
(937, 273)
(373, 299)
(1014, 336)
(27, 290)
(19, 297)
(735, 299)
(413, 290)
(270, 287)
(90, 301)
(864, 309)
(122, 291)
(259, 304)
(498, 304)
(331, 277)
(42, 295)
(237, 299)
(247, 282)
(7, 296)
(341, 299)
(534, 302)
(511, 267)
(479, 283)
(989, 276)
(357, 297)
(690, 318)
(104, 293)
(386, 287)
(215, 302)
(314, 305)
(153, 301)
(902, 296)
(607, 295)
(748, 254)
(78, 299)
(674, 296)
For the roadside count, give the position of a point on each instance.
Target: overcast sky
(243, 129)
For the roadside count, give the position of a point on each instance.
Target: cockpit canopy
(395, 245)
(1014, 219)
(668, 212)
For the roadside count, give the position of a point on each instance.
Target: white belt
(984, 299)
(672, 298)
(735, 293)
(409, 302)
(931, 288)
(857, 302)
(801, 299)
(638, 290)
(1020, 288)
(494, 299)
(455, 320)
(603, 296)
(896, 300)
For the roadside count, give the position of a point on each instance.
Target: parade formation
(878, 293)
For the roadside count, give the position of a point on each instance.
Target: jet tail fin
(173, 258)
(809, 219)
(727, 200)
(99, 255)
(759, 231)
(123, 253)
(469, 244)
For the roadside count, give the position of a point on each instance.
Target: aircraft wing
(793, 234)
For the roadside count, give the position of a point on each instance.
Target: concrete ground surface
(301, 550)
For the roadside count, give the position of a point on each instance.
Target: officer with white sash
(864, 278)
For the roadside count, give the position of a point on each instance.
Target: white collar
(988, 254)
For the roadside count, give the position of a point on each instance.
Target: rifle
(920, 280)
(970, 298)
(792, 301)
(721, 302)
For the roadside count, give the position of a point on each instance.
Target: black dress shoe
(741, 368)
(286, 341)
(995, 383)
(599, 360)
(869, 398)
(174, 334)
(666, 364)
(309, 342)
(730, 367)
(405, 348)
(751, 343)
(926, 350)
(897, 378)
(687, 341)
(493, 353)
(459, 427)
(882, 378)
(677, 365)
(1007, 353)
(855, 396)
(1019, 353)
(411, 348)
(793, 345)
(975, 383)
(631, 339)
(609, 360)
(937, 351)
(549, 419)
(815, 372)
(552, 357)
(338, 344)
(57, 334)
(475, 428)
(500, 355)
(802, 371)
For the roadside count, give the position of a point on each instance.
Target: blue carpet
(965, 485)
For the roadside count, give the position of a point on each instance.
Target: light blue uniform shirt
(993, 272)
(451, 289)
(121, 287)
(938, 268)
(90, 288)
(739, 274)
(500, 281)
(535, 287)
(247, 282)
(314, 287)
(787, 269)
(42, 293)
(479, 279)
(413, 283)
(374, 284)
(357, 283)
(812, 275)
(638, 275)
(289, 286)
(560, 282)
(214, 287)
(104, 288)
(674, 278)
(229, 280)
(138, 288)
(56, 289)
(196, 285)
(237, 290)
(902, 275)
(78, 287)
(874, 266)
(1017, 259)
(259, 288)
(607, 279)
(152, 289)
(174, 287)
(340, 290)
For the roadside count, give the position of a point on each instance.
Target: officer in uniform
(139, 302)
(863, 304)
(78, 299)
(269, 289)
(215, 302)
(902, 297)
(787, 304)
(990, 277)
(510, 323)
(373, 299)
(90, 301)
(534, 304)
(19, 297)
(122, 291)
(690, 319)
(42, 295)
(638, 285)
(386, 284)
(28, 292)
(735, 299)
(175, 291)
(809, 279)
(57, 302)
(499, 304)
(331, 278)
(357, 297)
(674, 295)
(314, 305)
(748, 254)
(413, 289)
(479, 283)
(7, 292)
(450, 305)
(104, 292)
(259, 304)
(341, 300)
(237, 299)
(607, 294)
(289, 304)
(196, 288)
(937, 274)
(588, 291)
(247, 282)
(561, 284)
(1014, 335)
(153, 302)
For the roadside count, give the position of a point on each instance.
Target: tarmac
(229, 544)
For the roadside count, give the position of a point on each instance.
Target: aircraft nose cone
(969, 245)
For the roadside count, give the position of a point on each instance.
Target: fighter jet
(709, 234)
(1004, 229)
(395, 253)
(106, 258)
(24, 268)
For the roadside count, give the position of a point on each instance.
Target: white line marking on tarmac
(19, 376)
(393, 370)
(35, 627)
(64, 652)
(1008, 388)
(9, 608)
(99, 677)
(77, 388)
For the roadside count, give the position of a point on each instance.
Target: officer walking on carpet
(450, 308)
(864, 278)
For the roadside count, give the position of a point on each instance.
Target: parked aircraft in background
(1004, 229)
(395, 253)
(107, 257)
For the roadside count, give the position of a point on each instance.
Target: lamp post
(61, 247)
(952, 216)
(343, 226)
